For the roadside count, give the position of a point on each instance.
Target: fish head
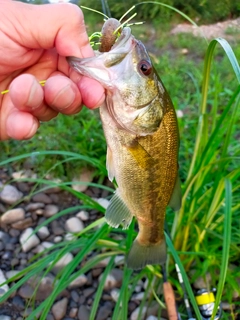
(131, 83)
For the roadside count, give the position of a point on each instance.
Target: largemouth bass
(141, 131)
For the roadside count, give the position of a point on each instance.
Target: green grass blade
(184, 276)
(226, 244)
(100, 290)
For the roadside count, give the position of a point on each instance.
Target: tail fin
(140, 255)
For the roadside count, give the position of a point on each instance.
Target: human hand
(34, 41)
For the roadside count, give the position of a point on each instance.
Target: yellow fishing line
(42, 83)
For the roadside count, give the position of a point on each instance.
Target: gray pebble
(50, 317)
(28, 240)
(3, 317)
(88, 292)
(10, 194)
(43, 232)
(41, 197)
(5, 287)
(14, 262)
(9, 247)
(59, 309)
(74, 295)
(50, 210)
(4, 237)
(83, 313)
(7, 255)
(34, 206)
(18, 303)
(14, 233)
(74, 225)
(78, 282)
(103, 313)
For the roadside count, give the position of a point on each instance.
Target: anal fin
(118, 213)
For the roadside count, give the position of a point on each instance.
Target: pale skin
(34, 41)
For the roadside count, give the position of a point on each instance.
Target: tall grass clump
(204, 234)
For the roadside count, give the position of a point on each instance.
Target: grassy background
(206, 230)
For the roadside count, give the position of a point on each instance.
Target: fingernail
(34, 127)
(64, 98)
(33, 100)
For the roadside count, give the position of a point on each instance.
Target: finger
(65, 28)
(62, 94)
(93, 94)
(27, 95)
(21, 125)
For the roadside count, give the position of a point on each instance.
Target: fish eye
(145, 67)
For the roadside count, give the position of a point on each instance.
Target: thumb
(51, 25)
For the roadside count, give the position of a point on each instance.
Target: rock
(50, 210)
(23, 224)
(43, 232)
(57, 239)
(88, 292)
(14, 233)
(135, 313)
(3, 317)
(10, 194)
(83, 313)
(14, 262)
(78, 282)
(103, 202)
(73, 312)
(103, 313)
(18, 303)
(138, 297)
(59, 309)
(103, 263)
(47, 244)
(74, 225)
(11, 273)
(115, 294)
(74, 296)
(50, 317)
(63, 262)
(35, 206)
(1, 246)
(5, 287)
(12, 216)
(227, 306)
(41, 197)
(152, 318)
(28, 240)
(113, 280)
(83, 215)
(4, 237)
(119, 260)
(202, 282)
(80, 183)
(26, 291)
(44, 287)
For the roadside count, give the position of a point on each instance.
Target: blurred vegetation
(205, 11)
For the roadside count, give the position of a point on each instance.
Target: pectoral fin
(118, 213)
(176, 198)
